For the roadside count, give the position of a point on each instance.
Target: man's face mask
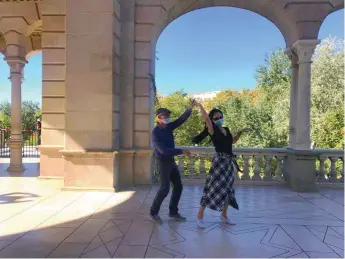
(166, 121)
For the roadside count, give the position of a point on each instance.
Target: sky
(205, 50)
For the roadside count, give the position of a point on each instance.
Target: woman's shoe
(226, 220)
(200, 223)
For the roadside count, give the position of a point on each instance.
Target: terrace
(38, 219)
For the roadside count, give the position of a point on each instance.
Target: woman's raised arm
(206, 118)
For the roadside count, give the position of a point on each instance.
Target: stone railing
(331, 165)
(262, 165)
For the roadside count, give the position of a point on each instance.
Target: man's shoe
(177, 217)
(156, 219)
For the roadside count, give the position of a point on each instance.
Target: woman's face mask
(218, 119)
(219, 122)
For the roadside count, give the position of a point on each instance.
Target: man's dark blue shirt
(163, 137)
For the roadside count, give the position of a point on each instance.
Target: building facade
(97, 96)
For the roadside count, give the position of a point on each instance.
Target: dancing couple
(219, 191)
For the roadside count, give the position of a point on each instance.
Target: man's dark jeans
(168, 172)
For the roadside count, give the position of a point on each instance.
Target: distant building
(204, 96)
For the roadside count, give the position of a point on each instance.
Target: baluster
(268, 168)
(181, 165)
(333, 171)
(321, 175)
(202, 165)
(245, 175)
(279, 172)
(237, 176)
(342, 171)
(256, 176)
(192, 166)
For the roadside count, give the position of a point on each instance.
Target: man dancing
(165, 151)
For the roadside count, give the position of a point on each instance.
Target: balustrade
(262, 164)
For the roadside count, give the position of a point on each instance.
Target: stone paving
(37, 219)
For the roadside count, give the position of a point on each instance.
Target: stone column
(304, 50)
(293, 97)
(53, 88)
(300, 162)
(92, 81)
(16, 142)
(126, 155)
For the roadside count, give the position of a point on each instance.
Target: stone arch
(2, 43)
(337, 7)
(270, 10)
(146, 21)
(35, 40)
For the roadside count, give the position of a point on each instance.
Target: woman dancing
(218, 192)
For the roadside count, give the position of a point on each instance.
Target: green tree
(5, 114)
(266, 108)
(327, 112)
(30, 113)
(177, 103)
(275, 71)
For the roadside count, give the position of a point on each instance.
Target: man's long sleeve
(163, 149)
(177, 123)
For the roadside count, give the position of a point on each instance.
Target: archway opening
(214, 54)
(31, 111)
(32, 106)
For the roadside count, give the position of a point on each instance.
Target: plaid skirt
(219, 186)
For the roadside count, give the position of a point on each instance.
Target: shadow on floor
(17, 197)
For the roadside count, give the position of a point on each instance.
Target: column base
(135, 167)
(90, 170)
(301, 170)
(16, 157)
(51, 162)
(16, 169)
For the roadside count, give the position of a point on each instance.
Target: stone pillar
(126, 155)
(53, 88)
(146, 15)
(293, 98)
(304, 50)
(15, 52)
(92, 80)
(300, 162)
(16, 142)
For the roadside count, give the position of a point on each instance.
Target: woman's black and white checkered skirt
(219, 186)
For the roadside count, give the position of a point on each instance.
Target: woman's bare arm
(206, 118)
(237, 137)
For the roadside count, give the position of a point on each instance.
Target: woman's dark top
(222, 143)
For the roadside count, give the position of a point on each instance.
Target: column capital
(292, 56)
(288, 52)
(304, 49)
(16, 65)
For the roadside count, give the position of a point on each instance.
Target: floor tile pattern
(39, 220)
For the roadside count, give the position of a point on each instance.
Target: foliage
(177, 103)
(275, 71)
(31, 112)
(5, 115)
(265, 109)
(327, 113)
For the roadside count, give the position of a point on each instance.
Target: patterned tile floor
(39, 220)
